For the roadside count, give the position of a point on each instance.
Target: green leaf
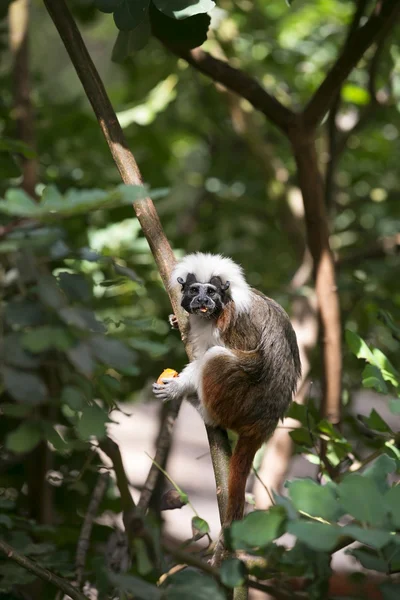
(50, 293)
(361, 498)
(140, 588)
(111, 352)
(371, 537)
(82, 318)
(73, 397)
(92, 423)
(75, 286)
(375, 421)
(182, 9)
(313, 499)
(355, 94)
(200, 527)
(24, 439)
(302, 436)
(193, 585)
(379, 471)
(19, 411)
(392, 499)
(18, 204)
(319, 536)
(301, 413)
(370, 559)
(358, 346)
(129, 42)
(258, 529)
(82, 359)
(107, 6)
(27, 388)
(43, 338)
(53, 436)
(233, 572)
(14, 355)
(185, 34)
(130, 13)
(372, 378)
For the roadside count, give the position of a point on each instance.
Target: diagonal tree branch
(353, 51)
(144, 209)
(45, 574)
(242, 84)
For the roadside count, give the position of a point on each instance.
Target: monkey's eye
(194, 291)
(211, 292)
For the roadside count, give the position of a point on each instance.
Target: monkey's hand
(173, 321)
(170, 389)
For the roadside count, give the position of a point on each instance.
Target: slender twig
(144, 209)
(41, 572)
(360, 41)
(84, 538)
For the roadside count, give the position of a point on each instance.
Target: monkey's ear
(226, 286)
(181, 281)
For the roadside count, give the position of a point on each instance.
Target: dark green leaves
(92, 423)
(24, 438)
(193, 585)
(24, 387)
(184, 34)
(130, 13)
(361, 498)
(233, 572)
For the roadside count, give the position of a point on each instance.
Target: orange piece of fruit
(167, 374)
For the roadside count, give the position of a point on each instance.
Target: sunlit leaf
(182, 9)
(313, 499)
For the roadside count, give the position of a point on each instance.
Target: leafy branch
(41, 572)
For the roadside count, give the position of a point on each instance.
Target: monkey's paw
(173, 321)
(168, 390)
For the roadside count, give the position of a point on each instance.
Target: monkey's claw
(173, 321)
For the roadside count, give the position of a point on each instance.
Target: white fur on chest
(203, 335)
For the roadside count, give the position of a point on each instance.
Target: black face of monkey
(204, 299)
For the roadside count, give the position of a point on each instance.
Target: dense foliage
(83, 326)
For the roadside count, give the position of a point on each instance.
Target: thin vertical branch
(144, 209)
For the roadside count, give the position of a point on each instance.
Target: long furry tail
(239, 469)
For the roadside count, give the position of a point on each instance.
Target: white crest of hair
(205, 266)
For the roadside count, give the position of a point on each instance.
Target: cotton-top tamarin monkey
(246, 360)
